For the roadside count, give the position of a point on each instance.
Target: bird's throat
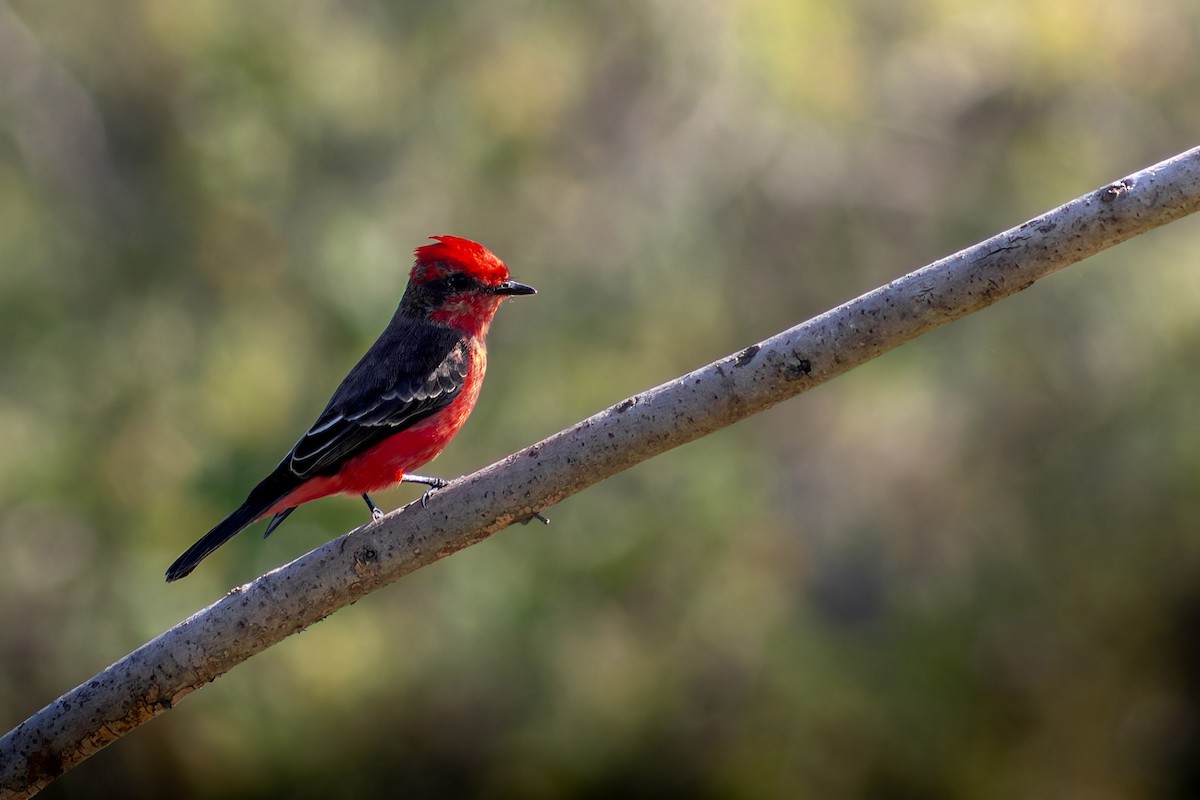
(471, 315)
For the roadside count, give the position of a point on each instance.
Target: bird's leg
(376, 511)
(436, 483)
(433, 483)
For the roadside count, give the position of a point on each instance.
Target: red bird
(400, 405)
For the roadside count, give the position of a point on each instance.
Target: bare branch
(251, 618)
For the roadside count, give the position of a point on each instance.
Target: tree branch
(251, 618)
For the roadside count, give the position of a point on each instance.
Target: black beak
(512, 287)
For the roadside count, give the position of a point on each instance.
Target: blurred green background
(969, 569)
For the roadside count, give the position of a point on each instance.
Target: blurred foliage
(966, 570)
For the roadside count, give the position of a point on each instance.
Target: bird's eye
(458, 282)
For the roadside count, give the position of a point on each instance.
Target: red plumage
(401, 404)
(388, 462)
(455, 252)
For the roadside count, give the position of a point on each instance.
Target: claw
(428, 494)
(538, 516)
(433, 483)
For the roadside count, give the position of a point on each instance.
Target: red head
(460, 283)
(455, 253)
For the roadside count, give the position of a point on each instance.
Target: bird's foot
(428, 494)
(433, 483)
(376, 511)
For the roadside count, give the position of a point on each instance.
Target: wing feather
(412, 372)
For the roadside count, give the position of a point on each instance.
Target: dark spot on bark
(367, 555)
(796, 367)
(43, 763)
(746, 356)
(1115, 190)
(625, 405)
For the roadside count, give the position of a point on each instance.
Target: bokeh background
(969, 569)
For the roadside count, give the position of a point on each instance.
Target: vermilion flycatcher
(400, 405)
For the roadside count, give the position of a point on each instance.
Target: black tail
(225, 530)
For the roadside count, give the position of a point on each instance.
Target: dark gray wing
(413, 371)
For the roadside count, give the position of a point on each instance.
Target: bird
(402, 402)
